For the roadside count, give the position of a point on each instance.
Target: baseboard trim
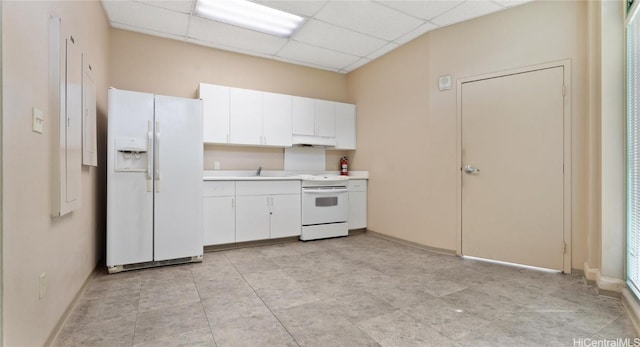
(411, 243)
(632, 307)
(357, 231)
(589, 273)
(237, 245)
(65, 316)
(607, 286)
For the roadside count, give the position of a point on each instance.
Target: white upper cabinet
(215, 110)
(345, 126)
(245, 114)
(276, 119)
(303, 116)
(250, 117)
(325, 118)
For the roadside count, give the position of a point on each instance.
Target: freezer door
(178, 178)
(129, 197)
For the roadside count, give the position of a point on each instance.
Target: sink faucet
(259, 170)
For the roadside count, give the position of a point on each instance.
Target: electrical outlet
(42, 285)
(216, 165)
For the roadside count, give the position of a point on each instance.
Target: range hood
(302, 140)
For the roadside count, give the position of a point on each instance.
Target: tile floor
(360, 290)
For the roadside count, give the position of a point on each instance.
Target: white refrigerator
(154, 180)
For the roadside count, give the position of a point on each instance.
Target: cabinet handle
(227, 137)
(156, 151)
(233, 203)
(149, 151)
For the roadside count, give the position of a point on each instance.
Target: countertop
(267, 175)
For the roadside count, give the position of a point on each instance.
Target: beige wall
(163, 66)
(66, 248)
(250, 158)
(407, 127)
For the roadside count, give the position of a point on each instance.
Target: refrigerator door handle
(157, 154)
(149, 162)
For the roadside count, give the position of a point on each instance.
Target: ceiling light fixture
(250, 15)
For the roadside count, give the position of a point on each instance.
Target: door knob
(471, 170)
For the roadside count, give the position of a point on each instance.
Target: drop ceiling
(338, 35)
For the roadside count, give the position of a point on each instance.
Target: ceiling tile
(315, 55)
(329, 36)
(152, 18)
(427, 26)
(511, 3)
(146, 31)
(355, 65)
(184, 6)
(232, 36)
(382, 51)
(368, 17)
(422, 9)
(340, 35)
(467, 10)
(228, 48)
(306, 8)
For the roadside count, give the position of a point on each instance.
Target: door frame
(566, 65)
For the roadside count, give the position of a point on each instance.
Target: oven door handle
(325, 191)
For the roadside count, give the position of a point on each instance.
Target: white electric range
(325, 206)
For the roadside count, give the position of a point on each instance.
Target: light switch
(37, 120)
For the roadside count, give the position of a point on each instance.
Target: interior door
(178, 178)
(512, 161)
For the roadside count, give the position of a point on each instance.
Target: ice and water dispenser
(132, 154)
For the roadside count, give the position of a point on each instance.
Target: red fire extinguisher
(344, 166)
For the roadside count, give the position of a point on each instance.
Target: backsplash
(250, 158)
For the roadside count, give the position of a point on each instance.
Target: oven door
(322, 205)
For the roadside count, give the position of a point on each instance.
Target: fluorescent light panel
(250, 15)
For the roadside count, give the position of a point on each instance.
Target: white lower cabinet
(357, 203)
(285, 216)
(252, 218)
(219, 212)
(267, 210)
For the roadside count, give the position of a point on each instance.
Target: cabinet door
(303, 110)
(325, 118)
(215, 113)
(357, 210)
(345, 126)
(219, 220)
(252, 218)
(276, 119)
(285, 215)
(245, 112)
